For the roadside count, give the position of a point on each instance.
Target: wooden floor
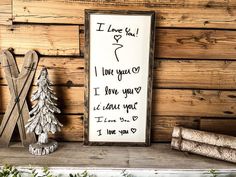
(158, 156)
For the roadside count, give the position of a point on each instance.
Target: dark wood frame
(87, 75)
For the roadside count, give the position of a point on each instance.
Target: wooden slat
(204, 74)
(5, 12)
(166, 102)
(70, 100)
(195, 44)
(161, 3)
(161, 130)
(72, 129)
(202, 44)
(64, 40)
(208, 103)
(223, 126)
(191, 13)
(162, 126)
(65, 71)
(46, 39)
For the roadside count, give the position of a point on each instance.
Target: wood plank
(222, 126)
(46, 39)
(53, 40)
(72, 129)
(204, 74)
(161, 130)
(67, 71)
(197, 14)
(166, 102)
(202, 103)
(70, 99)
(5, 12)
(158, 156)
(161, 3)
(191, 44)
(162, 126)
(202, 44)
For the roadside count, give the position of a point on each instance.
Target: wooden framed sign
(119, 59)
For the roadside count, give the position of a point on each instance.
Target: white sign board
(119, 60)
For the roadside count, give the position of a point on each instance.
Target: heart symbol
(117, 37)
(137, 89)
(133, 130)
(135, 70)
(135, 118)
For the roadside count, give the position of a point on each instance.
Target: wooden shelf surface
(158, 156)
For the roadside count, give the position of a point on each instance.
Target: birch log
(207, 150)
(205, 137)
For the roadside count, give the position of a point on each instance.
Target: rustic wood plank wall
(195, 60)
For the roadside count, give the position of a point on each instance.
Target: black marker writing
(99, 118)
(96, 108)
(129, 91)
(96, 73)
(100, 26)
(123, 120)
(122, 132)
(129, 107)
(119, 46)
(107, 71)
(129, 33)
(109, 91)
(111, 132)
(117, 38)
(115, 52)
(134, 118)
(99, 132)
(96, 91)
(133, 130)
(111, 29)
(110, 106)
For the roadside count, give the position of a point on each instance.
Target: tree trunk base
(43, 149)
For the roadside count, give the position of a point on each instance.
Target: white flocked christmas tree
(43, 119)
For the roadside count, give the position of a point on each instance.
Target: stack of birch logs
(213, 145)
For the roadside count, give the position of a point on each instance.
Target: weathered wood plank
(161, 130)
(223, 126)
(202, 103)
(67, 71)
(5, 12)
(72, 129)
(205, 44)
(70, 100)
(202, 74)
(166, 102)
(46, 39)
(200, 14)
(195, 44)
(162, 126)
(64, 40)
(158, 156)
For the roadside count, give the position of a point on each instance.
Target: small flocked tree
(43, 118)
